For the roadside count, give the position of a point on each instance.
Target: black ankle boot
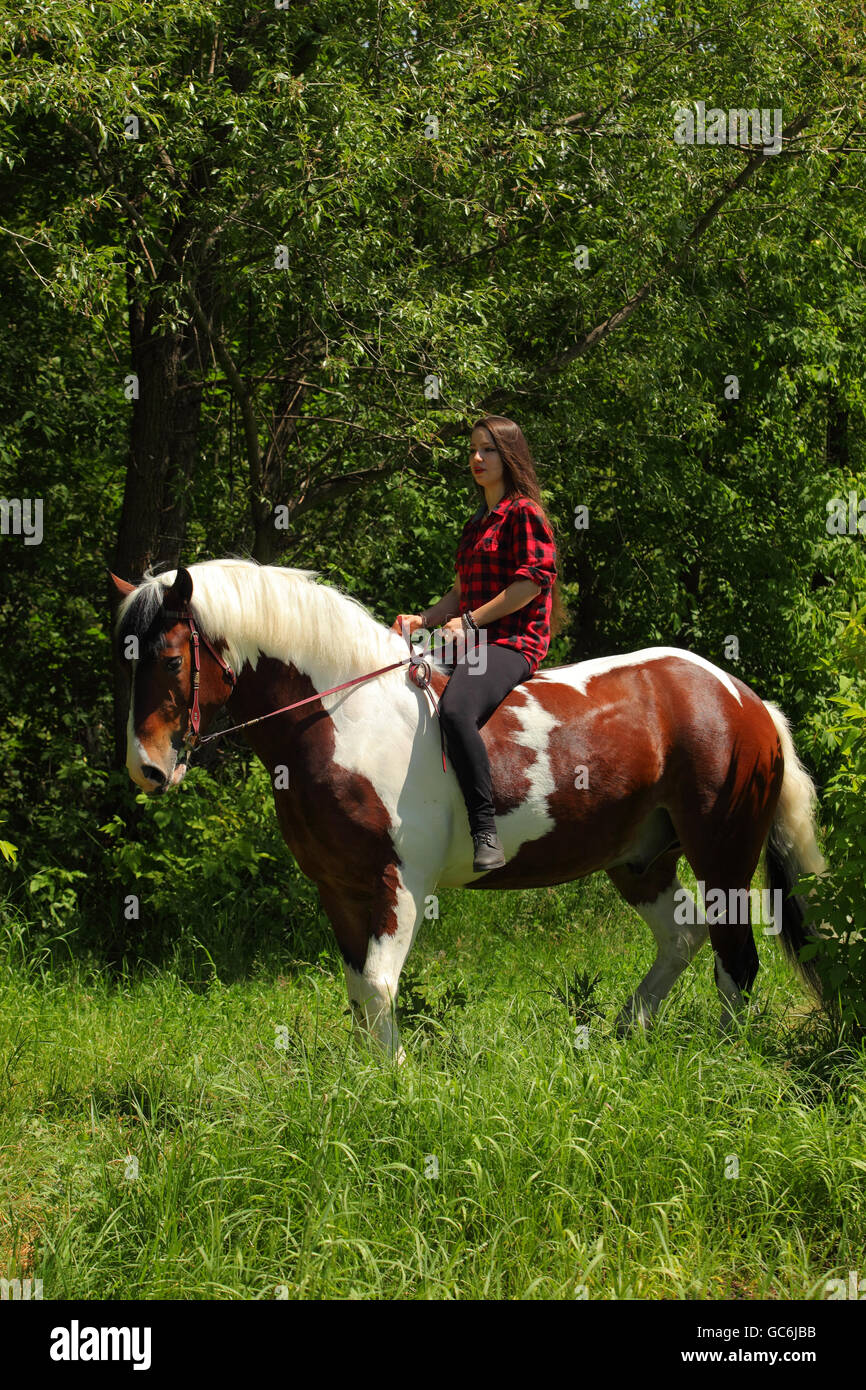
(488, 851)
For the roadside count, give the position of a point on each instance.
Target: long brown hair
(518, 474)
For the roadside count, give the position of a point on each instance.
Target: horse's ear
(180, 593)
(122, 587)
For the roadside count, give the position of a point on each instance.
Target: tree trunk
(162, 454)
(267, 544)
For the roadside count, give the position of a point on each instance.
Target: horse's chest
(337, 826)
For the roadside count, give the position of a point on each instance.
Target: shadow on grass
(225, 943)
(822, 1055)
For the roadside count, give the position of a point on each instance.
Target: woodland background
(253, 210)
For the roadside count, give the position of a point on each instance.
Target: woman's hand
(406, 624)
(451, 630)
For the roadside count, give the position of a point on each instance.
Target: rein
(419, 673)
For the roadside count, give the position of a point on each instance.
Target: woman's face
(484, 458)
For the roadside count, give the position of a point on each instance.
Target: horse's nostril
(153, 774)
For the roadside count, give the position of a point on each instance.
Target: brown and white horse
(622, 764)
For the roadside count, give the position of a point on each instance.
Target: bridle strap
(197, 640)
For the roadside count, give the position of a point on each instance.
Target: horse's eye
(174, 663)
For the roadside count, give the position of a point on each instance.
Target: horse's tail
(792, 849)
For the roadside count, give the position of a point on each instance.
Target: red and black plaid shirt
(513, 542)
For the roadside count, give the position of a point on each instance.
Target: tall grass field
(208, 1129)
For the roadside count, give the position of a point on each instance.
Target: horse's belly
(524, 825)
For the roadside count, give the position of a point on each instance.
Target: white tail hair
(792, 850)
(794, 825)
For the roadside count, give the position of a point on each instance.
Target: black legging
(469, 699)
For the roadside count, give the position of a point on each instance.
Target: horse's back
(618, 717)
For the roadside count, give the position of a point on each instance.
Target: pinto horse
(623, 763)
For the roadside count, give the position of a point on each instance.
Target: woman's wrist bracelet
(469, 623)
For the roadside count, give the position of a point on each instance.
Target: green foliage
(577, 996)
(428, 1003)
(182, 850)
(416, 248)
(839, 902)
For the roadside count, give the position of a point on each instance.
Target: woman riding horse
(506, 585)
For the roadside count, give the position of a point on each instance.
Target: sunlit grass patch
(184, 1135)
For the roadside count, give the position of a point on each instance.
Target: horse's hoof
(731, 1027)
(633, 1018)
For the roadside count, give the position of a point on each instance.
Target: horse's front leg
(375, 932)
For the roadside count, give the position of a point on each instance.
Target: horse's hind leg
(671, 913)
(729, 918)
(723, 866)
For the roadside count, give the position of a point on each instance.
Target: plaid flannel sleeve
(534, 551)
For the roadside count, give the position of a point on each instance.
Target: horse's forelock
(142, 616)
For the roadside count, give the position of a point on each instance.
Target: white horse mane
(266, 610)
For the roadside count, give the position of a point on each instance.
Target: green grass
(303, 1171)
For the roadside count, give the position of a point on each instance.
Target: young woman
(506, 585)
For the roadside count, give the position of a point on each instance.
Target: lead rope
(420, 673)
